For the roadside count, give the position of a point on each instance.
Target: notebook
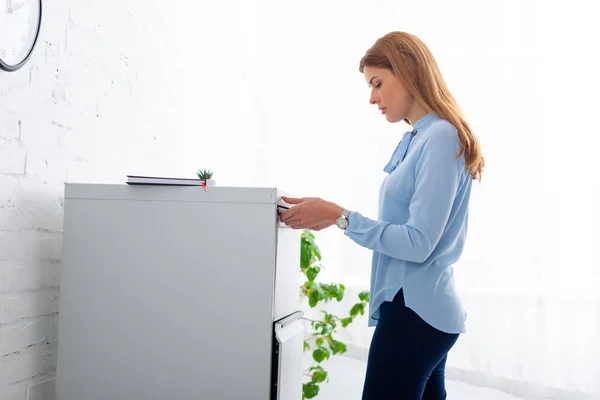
(153, 180)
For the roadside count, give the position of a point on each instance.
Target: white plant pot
(211, 182)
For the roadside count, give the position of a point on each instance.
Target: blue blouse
(422, 225)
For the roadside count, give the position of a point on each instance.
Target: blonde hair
(412, 62)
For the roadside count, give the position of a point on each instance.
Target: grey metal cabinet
(174, 292)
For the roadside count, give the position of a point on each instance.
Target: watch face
(342, 222)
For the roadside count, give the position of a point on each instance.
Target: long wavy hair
(412, 62)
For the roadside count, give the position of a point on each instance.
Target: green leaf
(346, 322)
(325, 289)
(312, 272)
(305, 255)
(364, 296)
(319, 376)
(321, 354)
(325, 328)
(306, 346)
(338, 347)
(320, 291)
(333, 324)
(358, 308)
(308, 235)
(310, 390)
(313, 299)
(317, 252)
(319, 342)
(333, 291)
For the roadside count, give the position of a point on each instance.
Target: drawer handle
(283, 322)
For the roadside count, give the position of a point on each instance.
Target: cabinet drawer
(287, 364)
(287, 272)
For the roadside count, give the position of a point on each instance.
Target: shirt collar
(423, 121)
(402, 147)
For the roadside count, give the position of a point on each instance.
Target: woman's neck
(416, 113)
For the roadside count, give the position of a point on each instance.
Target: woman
(421, 229)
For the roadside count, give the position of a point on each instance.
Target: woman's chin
(392, 119)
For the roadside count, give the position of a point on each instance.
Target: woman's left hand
(309, 212)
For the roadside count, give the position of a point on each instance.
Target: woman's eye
(377, 86)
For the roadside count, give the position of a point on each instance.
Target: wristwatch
(342, 220)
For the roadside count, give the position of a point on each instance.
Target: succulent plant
(205, 174)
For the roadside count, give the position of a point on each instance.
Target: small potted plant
(207, 176)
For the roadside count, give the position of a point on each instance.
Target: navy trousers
(407, 357)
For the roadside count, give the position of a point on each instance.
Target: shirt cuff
(353, 218)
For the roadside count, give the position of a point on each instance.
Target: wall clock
(20, 22)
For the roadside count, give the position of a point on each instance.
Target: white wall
(269, 93)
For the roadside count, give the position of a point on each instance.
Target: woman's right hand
(321, 226)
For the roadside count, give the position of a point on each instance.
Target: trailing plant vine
(322, 342)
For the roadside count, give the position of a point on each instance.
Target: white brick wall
(110, 90)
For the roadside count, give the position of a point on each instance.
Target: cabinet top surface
(260, 195)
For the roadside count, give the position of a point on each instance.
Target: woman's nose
(373, 98)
